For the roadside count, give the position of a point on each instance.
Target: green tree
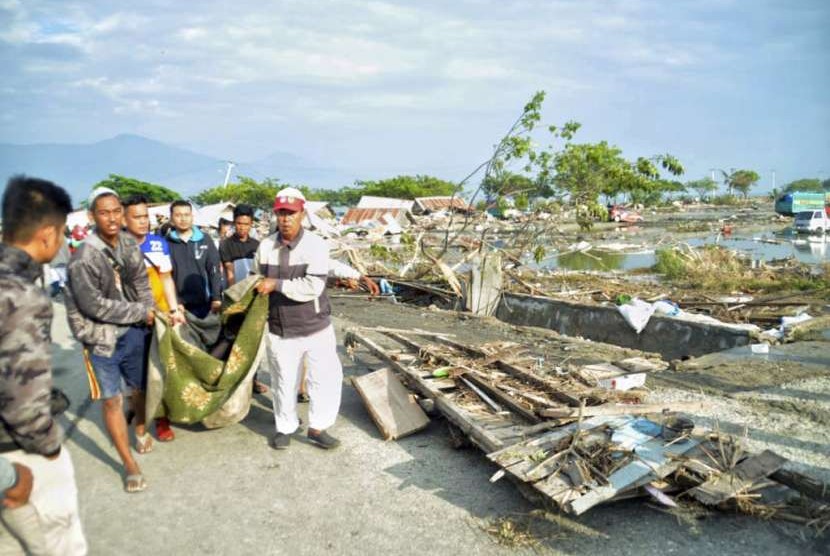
(344, 196)
(587, 170)
(129, 186)
(406, 187)
(511, 184)
(806, 185)
(247, 190)
(521, 202)
(703, 187)
(740, 180)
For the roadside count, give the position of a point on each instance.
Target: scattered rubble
(572, 444)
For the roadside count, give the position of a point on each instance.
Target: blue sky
(383, 88)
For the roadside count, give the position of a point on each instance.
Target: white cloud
(326, 65)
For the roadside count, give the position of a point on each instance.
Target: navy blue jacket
(195, 268)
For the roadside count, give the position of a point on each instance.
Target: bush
(725, 200)
(670, 264)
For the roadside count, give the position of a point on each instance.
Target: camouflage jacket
(108, 290)
(25, 357)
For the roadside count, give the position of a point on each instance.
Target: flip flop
(134, 483)
(144, 443)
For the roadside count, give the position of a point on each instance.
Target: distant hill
(78, 166)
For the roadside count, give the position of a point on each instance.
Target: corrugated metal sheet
(357, 216)
(369, 202)
(433, 204)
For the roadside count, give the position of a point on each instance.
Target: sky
(381, 88)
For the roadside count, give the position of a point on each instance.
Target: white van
(810, 221)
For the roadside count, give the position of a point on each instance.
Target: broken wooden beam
(653, 460)
(517, 372)
(502, 397)
(482, 395)
(727, 485)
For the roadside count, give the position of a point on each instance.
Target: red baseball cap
(289, 198)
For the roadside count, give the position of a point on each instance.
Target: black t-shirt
(240, 253)
(231, 249)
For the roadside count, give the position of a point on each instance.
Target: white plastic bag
(668, 308)
(637, 313)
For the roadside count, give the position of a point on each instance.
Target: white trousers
(50, 522)
(325, 379)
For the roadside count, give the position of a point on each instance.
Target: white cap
(98, 192)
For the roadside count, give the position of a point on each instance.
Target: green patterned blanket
(188, 385)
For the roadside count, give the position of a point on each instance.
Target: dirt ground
(226, 492)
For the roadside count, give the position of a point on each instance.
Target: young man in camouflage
(34, 216)
(110, 307)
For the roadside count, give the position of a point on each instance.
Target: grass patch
(718, 269)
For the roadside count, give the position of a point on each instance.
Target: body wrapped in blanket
(189, 385)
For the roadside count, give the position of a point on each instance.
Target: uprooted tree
(578, 172)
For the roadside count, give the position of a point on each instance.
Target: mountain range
(77, 167)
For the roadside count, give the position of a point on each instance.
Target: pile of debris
(573, 437)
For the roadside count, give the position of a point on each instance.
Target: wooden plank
(620, 409)
(492, 394)
(642, 365)
(727, 485)
(390, 405)
(480, 436)
(599, 371)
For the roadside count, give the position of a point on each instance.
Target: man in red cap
(294, 263)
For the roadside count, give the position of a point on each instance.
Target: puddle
(775, 354)
(805, 249)
(601, 260)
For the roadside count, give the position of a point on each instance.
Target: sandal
(144, 443)
(134, 483)
(163, 431)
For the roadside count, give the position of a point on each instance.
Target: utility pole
(231, 166)
(773, 178)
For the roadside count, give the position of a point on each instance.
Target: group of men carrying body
(118, 281)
